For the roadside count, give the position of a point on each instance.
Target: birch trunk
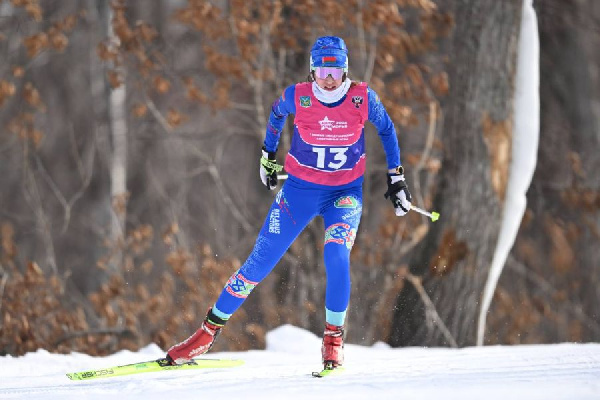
(118, 168)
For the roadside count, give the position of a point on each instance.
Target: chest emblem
(357, 101)
(305, 101)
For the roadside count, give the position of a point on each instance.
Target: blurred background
(130, 135)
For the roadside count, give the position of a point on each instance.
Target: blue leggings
(294, 207)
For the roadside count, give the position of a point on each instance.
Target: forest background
(130, 134)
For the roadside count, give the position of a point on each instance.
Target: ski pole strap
(270, 165)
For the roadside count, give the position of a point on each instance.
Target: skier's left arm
(397, 190)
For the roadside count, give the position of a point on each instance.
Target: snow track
(549, 372)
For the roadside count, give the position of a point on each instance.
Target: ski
(328, 370)
(152, 366)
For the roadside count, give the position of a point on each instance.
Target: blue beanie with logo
(329, 51)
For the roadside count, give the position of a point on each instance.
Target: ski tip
(435, 216)
(73, 377)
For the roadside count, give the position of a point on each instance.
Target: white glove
(398, 193)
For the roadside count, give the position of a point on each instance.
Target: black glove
(398, 193)
(269, 169)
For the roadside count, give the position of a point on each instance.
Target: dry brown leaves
(54, 38)
(139, 110)
(498, 139)
(7, 89)
(32, 97)
(23, 126)
(450, 251)
(32, 314)
(175, 118)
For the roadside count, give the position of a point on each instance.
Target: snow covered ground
(548, 372)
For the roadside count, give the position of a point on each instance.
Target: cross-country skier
(325, 165)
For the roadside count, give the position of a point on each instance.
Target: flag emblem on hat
(329, 59)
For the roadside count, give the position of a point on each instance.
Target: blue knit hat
(329, 51)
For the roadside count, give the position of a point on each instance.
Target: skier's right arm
(280, 109)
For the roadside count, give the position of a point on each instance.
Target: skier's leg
(289, 214)
(291, 211)
(342, 217)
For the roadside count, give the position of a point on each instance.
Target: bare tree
(130, 182)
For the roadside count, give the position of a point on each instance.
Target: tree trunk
(118, 170)
(453, 261)
(554, 270)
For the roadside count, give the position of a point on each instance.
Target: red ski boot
(199, 343)
(333, 346)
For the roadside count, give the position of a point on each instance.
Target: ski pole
(433, 215)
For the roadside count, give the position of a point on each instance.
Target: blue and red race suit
(325, 164)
